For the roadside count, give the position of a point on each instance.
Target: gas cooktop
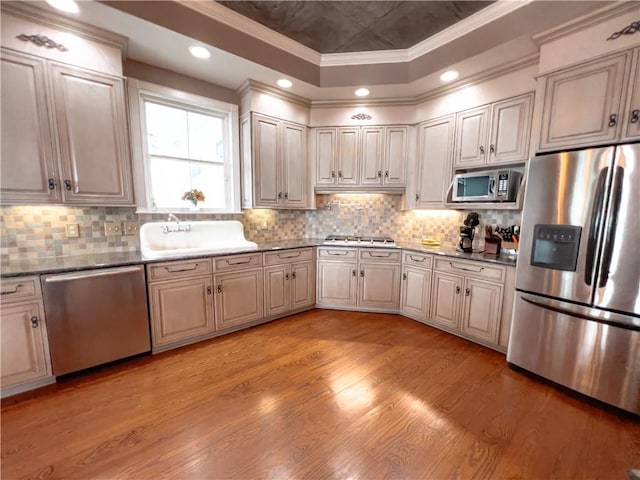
(362, 241)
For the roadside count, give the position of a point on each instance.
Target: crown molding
(255, 86)
(586, 21)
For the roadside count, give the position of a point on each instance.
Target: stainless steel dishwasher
(95, 316)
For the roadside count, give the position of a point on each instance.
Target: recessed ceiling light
(284, 83)
(449, 76)
(199, 52)
(65, 5)
(362, 92)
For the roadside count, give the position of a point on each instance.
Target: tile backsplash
(28, 232)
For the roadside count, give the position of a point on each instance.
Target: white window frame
(139, 92)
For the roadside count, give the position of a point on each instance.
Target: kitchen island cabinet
(26, 363)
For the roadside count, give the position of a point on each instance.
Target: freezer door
(565, 202)
(557, 341)
(618, 286)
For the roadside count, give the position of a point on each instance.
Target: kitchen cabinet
(494, 134)
(435, 153)
(361, 279)
(64, 132)
(611, 113)
(239, 285)
(278, 163)
(26, 363)
(289, 281)
(415, 290)
(181, 303)
(360, 158)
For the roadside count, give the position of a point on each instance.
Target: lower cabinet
(289, 281)
(26, 363)
(415, 291)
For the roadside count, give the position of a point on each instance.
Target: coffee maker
(468, 231)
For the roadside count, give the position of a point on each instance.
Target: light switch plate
(131, 228)
(112, 229)
(72, 230)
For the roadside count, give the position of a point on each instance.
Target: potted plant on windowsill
(193, 196)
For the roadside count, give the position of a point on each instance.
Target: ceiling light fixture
(284, 83)
(449, 76)
(362, 92)
(65, 5)
(199, 52)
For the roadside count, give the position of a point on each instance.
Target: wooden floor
(324, 394)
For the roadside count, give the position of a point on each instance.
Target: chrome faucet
(173, 217)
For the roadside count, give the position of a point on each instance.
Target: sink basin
(171, 239)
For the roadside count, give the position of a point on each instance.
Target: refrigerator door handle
(595, 225)
(610, 227)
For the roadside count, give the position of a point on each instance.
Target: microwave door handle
(595, 226)
(492, 186)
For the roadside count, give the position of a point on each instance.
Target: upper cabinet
(593, 103)
(494, 134)
(64, 128)
(360, 158)
(275, 163)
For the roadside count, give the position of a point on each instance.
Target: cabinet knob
(52, 184)
(293, 275)
(34, 322)
(219, 289)
(209, 290)
(362, 273)
(333, 174)
(279, 195)
(67, 184)
(457, 290)
(635, 116)
(467, 292)
(417, 197)
(386, 174)
(492, 148)
(613, 120)
(404, 276)
(286, 195)
(286, 276)
(353, 273)
(339, 173)
(379, 173)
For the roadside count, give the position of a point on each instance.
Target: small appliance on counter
(468, 231)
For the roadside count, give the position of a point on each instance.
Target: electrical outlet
(72, 230)
(131, 228)
(112, 229)
(264, 225)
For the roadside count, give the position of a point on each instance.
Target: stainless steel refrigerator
(577, 309)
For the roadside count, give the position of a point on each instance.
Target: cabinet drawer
(169, 270)
(337, 253)
(288, 256)
(20, 288)
(380, 255)
(417, 259)
(237, 261)
(470, 268)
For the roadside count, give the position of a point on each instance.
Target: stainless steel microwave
(486, 186)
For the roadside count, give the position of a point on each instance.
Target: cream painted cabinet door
(396, 144)
(325, 149)
(93, 138)
(415, 292)
(27, 160)
(582, 105)
(471, 135)
(379, 286)
(266, 166)
(481, 310)
(277, 280)
(632, 120)
(510, 130)
(180, 310)
(446, 298)
(295, 186)
(302, 285)
(348, 154)
(371, 148)
(25, 350)
(239, 297)
(435, 151)
(337, 283)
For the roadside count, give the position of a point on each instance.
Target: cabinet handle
(293, 255)
(286, 276)
(243, 262)
(635, 116)
(457, 290)
(417, 197)
(279, 195)
(34, 322)
(353, 273)
(329, 252)
(613, 120)
(286, 195)
(492, 148)
(379, 255)
(67, 184)
(481, 150)
(386, 174)
(362, 273)
(417, 259)
(404, 276)
(467, 292)
(339, 173)
(9, 292)
(379, 173)
(176, 270)
(333, 174)
(52, 184)
(219, 289)
(466, 269)
(209, 290)
(293, 275)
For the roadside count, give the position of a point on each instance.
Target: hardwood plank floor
(323, 394)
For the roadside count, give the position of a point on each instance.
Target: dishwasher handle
(65, 277)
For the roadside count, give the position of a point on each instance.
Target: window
(183, 142)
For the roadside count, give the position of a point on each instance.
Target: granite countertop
(103, 260)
